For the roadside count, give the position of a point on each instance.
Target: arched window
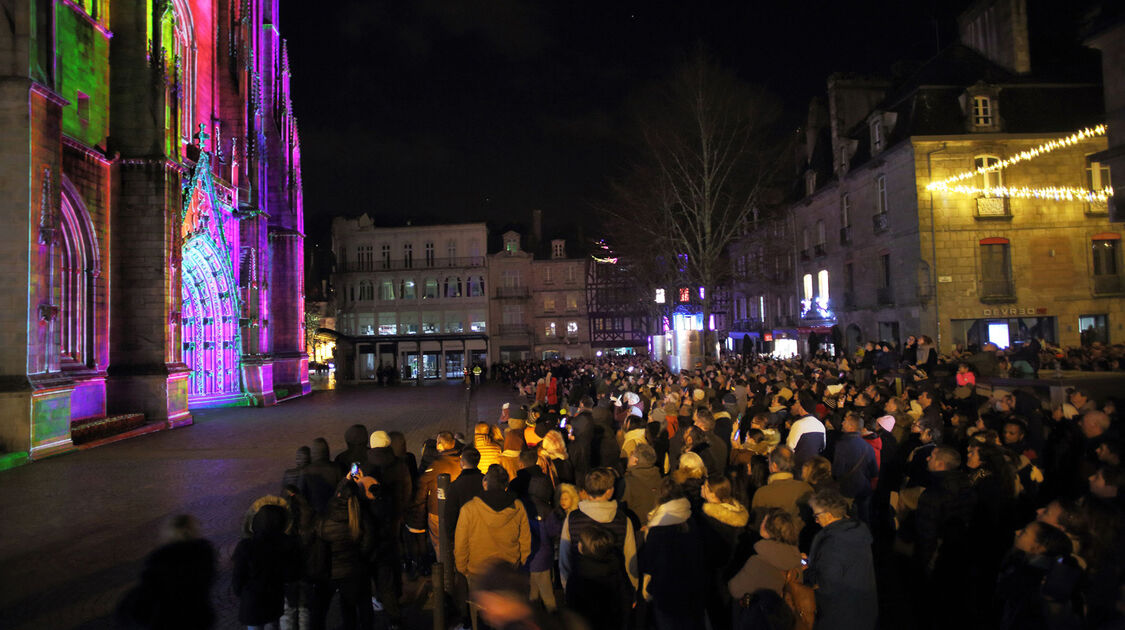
(177, 44)
(78, 271)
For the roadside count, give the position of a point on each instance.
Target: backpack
(801, 598)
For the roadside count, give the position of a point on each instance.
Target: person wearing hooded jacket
(263, 561)
(356, 452)
(674, 577)
(321, 477)
(492, 527)
(296, 476)
(774, 555)
(841, 567)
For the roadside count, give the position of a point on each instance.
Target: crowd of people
(747, 493)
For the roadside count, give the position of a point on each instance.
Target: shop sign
(1013, 311)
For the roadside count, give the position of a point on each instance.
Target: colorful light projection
(211, 307)
(1053, 193)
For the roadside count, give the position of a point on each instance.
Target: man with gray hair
(642, 482)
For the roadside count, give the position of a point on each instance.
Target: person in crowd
(423, 513)
(553, 459)
(1028, 595)
(350, 534)
(174, 591)
(501, 594)
(263, 561)
(807, 433)
(296, 476)
(722, 530)
(642, 481)
(356, 438)
(782, 490)
(675, 580)
(484, 440)
(855, 465)
(775, 555)
(841, 567)
(537, 504)
(491, 527)
(598, 509)
(719, 446)
(528, 471)
(321, 477)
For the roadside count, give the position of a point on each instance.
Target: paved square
(75, 529)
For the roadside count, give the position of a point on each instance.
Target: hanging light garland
(1057, 193)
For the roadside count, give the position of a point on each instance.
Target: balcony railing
(805, 255)
(846, 235)
(819, 250)
(993, 208)
(355, 266)
(880, 223)
(885, 295)
(512, 292)
(997, 290)
(1108, 285)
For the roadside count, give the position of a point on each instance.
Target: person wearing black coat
(942, 544)
(321, 477)
(468, 485)
(296, 476)
(854, 466)
(580, 449)
(348, 529)
(674, 575)
(356, 452)
(174, 592)
(841, 567)
(263, 563)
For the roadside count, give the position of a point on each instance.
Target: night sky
(462, 110)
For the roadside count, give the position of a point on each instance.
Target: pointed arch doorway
(212, 346)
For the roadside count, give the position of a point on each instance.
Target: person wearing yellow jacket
(491, 527)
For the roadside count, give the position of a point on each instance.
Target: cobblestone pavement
(74, 529)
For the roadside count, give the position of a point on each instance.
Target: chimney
(997, 29)
(536, 227)
(850, 100)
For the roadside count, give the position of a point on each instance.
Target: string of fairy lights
(1054, 193)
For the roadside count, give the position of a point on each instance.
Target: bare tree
(709, 157)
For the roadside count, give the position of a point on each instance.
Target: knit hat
(380, 439)
(886, 422)
(785, 393)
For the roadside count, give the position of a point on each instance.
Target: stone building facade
(559, 304)
(1022, 248)
(152, 197)
(410, 298)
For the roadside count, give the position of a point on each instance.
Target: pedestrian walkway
(75, 529)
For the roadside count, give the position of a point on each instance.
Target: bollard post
(439, 596)
(445, 537)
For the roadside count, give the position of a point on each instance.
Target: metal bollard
(445, 537)
(439, 595)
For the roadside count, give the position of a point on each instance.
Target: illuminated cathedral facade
(152, 215)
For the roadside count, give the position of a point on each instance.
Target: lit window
(685, 294)
(406, 290)
(549, 303)
(571, 302)
(659, 296)
(1106, 254)
(702, 293)
(387, 290)
(550, 329)
(806, 282)
(982, 111)
(822, 286)
(571, 328)
(990, 179)
(1097, 175)
(431, 289)
(476, 322)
